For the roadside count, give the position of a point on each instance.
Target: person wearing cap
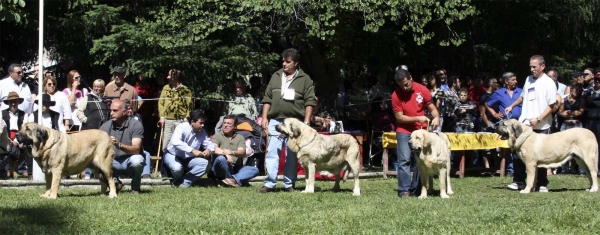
(174, 105)
(576, 78)
(120, 89)
(15, 83)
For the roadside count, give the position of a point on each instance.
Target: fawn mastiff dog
(433, 158)
(318, 152)
(61, 154)
(553, 150)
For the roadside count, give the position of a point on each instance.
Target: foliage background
(215, 41)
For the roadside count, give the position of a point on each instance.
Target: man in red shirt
(409, 102)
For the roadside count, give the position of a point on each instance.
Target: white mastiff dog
(539, 150)
(433, 158)
(318, 152)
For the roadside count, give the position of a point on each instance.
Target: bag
(250, 129)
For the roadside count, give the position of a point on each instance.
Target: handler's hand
(533, 122)
(161, 123)
(229, 159)
(265, 123)
(422, 119)
(113, 140)
(508, 109)
(197, 153)
(435, 123)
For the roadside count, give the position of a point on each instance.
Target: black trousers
(519, 169)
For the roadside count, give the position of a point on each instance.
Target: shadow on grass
(38, 219)
(549, 190)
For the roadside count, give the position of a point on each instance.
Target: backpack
(250, 129)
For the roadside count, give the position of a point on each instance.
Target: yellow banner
(458, 141)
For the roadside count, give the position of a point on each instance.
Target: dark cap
(577, 74)
(119, 69)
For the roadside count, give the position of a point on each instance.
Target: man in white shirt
(15, 83)
(189, 149)
(538, 98)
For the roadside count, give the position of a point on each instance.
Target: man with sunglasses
(15, 83)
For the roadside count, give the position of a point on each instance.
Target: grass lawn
(479, 206)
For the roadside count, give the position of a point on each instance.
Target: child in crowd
(465, 111)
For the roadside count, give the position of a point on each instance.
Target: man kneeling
(184, 152)
(231, 149)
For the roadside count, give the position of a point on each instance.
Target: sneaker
(543, 189)
(86, 177)
(404, 195)
(516, 186)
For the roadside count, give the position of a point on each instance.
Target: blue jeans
(290, 171)
(223, 170)
(404, 156)
(196, 167)
(130, 166)
(145, 171)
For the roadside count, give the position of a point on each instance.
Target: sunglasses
(586, 74)
(77, 78)
(19, 72)
(50, 84)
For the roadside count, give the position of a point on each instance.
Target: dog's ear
(295, 130)
(41, 135)
(426, 139)
(517, 129)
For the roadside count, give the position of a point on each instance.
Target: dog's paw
(112, 195)
(422, 196)
(308, 191)
(449, 192)
(593, 190)
(524, 191)
(356, 192)
(444, 196)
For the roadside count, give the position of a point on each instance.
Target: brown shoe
(404, 195)
(230, 182)
(290, 189)
(265, 189)
(119, 186)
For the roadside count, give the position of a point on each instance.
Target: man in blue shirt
(189, 149)
(503, 98)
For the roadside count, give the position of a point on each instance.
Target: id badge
(289, 94)
(531, 93)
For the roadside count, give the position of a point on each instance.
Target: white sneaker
(87, 177)
(513, 186)
(543, 189)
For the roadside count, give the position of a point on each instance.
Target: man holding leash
(538, 99)
(409, 102)
(126, 135)
(290, 94)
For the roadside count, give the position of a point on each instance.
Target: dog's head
(32, 134)
(509, 130)
(419, 139)
(291, 127)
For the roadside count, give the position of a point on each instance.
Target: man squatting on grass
(188, 150)
(409, 102)
(290, 94)
(126, 135)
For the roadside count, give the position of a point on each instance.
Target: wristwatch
(307, 123)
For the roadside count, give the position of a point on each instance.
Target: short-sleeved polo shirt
(125, 134)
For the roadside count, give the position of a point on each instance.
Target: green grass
(479, 206)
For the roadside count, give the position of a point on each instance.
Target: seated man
(126, 134)
(231, 149)
(189, 149)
